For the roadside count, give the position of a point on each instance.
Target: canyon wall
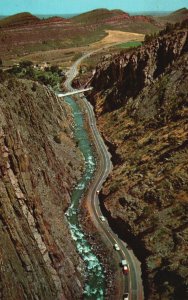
(124, 75)
(39, 165)
(140, 98)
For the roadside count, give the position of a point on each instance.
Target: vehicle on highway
(102, 218)
(124, 262)
(126, 296)
(97, 191)
(116, 246)
(125, 270)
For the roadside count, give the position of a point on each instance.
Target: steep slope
(141, 101)
(124, 76)
(39, 164)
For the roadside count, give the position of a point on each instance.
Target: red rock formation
(127, 74)
(39, 164)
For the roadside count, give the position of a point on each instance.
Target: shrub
(26, 63)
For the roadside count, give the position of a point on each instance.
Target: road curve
(133, 282)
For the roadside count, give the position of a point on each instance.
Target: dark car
(126, 296)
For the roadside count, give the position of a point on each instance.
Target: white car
(116, 246)
(102, 218)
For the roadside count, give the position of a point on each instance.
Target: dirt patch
(115, 36)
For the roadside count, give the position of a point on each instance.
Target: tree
(26, 63)
(169, 27)
(54, 69)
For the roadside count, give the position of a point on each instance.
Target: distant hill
(174, 17)
(19, 20)
(98, 15)
(118, 20)
(180, 11)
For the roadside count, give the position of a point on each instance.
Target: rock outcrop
(140, 98)
(39, 164)
(125, 75)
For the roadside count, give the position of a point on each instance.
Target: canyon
(140, 99)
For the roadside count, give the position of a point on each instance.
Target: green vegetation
(51, 75)
(168, 29)
(76, 39)
(87, 38)
(129, 45)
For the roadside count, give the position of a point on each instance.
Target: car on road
(126, 296)
(102, 218)
(125, 267)
(116, 247)
(124, 262)
(125, 270)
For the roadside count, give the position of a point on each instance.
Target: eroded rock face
(125, 75)
(145, 125)
(39, 164)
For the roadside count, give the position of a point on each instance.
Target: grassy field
(129, 45)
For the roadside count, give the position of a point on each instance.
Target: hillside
(39, 165)
(177, 16)
(98, 15)
(59, 33)
(78, 34)
(181, 11)
(140, 98)
(19, 20)
(117, 19)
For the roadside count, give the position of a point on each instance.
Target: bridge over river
(74, 92)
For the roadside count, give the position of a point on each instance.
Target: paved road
(133, 282)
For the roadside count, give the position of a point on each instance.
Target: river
(95, 280)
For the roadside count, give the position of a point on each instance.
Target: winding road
(131, 283)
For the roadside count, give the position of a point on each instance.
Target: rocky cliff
(39, 164)
(125, 75)
(140, 98)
